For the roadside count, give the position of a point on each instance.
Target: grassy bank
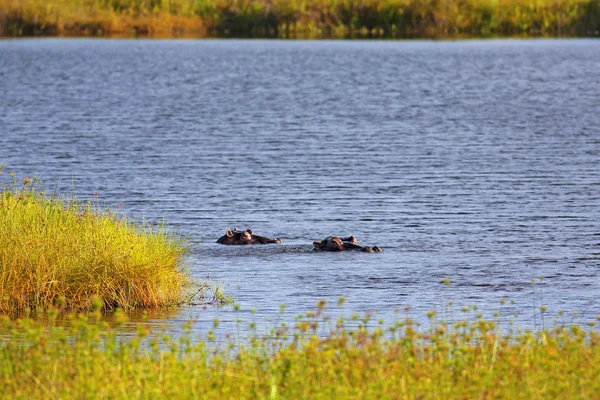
(301, 18)
(62, 253)
(462, 360)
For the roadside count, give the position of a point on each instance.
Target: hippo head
(332, 243)
(236, 237)
(336, 243)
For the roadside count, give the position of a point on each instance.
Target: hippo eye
(249, 231)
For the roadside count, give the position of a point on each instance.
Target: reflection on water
(474, 160)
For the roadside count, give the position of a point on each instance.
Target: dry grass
(62, 253)
(92, 18)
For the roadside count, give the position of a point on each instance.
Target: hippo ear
(317, 244)
(228, 233)
(249, 231)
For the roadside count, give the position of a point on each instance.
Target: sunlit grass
(95, 18)
(63, 253)
(316, 358)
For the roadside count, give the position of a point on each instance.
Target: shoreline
(304, 39)
(278, 19)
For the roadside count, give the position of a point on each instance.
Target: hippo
(236, 237)
(336, 243)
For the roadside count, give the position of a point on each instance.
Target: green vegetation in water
(73, 256)
(317, 358)
(301, 18)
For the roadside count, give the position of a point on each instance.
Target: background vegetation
(317, 358)
(301, 18)
(73, 256)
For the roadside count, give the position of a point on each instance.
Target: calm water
(474, 160)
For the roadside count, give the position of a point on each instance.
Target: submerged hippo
(336, 243)
(236, 237)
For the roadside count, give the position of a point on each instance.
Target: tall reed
(63, 253)
(314, 359)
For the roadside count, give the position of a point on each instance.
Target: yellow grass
(62, 253)
(316, 358)
(92, 18)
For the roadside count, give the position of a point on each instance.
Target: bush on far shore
(391, 19)
(73, 256)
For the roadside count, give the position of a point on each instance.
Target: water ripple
(476, 160)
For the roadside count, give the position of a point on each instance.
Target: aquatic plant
(301, 19)
(57, 252)
(317, 357)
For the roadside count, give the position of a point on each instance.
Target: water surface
(476, 161)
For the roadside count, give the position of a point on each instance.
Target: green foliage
(302, 18)
(63, 253)
(317, 358)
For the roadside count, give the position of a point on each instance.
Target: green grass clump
(70, 255)
(317, 358)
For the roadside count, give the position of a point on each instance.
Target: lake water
(478, 161)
